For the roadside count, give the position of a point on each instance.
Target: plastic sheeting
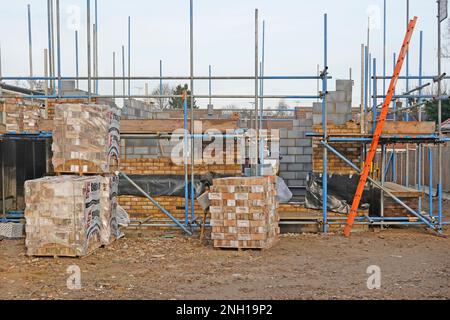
(341, 190)
(284, 195)
(167, 185)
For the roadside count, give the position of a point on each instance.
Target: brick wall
(140, 207)
(351, 150)
(153, 157)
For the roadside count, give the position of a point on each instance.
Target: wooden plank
(409, 127)
(2, 128)
(163, 125)
(402, 191)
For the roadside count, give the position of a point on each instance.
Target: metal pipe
(383, 177)
(129, 57)
(378, 185)
(366, 80)
(53, 45)
(30, 46)
(161, 84)
(210, 86)
(324, 125)
(439, 119)
(171, 78)
(50, 44)
(374, 106)
(430, 182)
(256, 90)
(204, 96)
(114, 74)
(94, 54)
(191, 45)
(46, 82)
(167, 213)
(384, 45)
(123, 72)
(76, 60)
(88, 37)
(362, 112)
(407, 108)
(261, 106)
(96, 45)
(3, 182)
(407, 66)
(419, 173)
(58, 44)
(420, 71)
(186, 162)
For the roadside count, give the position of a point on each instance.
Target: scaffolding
(55, 80)
(431, 219)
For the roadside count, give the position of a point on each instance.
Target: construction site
(174, 185)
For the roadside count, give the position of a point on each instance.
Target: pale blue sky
(224, 32)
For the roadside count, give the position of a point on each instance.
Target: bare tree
(162, 103)
(283, 108)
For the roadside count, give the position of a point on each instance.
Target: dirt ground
(414, 265)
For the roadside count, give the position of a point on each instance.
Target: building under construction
(83, 169)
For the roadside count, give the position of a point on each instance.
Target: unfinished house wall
(296, 150)
(137, 109)
(152, 157)
(340, 122)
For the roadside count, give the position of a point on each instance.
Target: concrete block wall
(339, 104)
(296, 150)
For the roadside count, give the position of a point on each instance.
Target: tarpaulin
(341, 191)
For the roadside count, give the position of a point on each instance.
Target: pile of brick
(52, 103)
(70, 215)
(244, 212)
(351, 150)
(86, 138)
(62, 216)
(20, 117)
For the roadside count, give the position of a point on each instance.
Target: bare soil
(415, 264)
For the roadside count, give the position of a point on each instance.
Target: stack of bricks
(63, 216)
(31, 115)
(52, 103)
(21, 117)
(86, 138)
(351, 150)
(244, 212)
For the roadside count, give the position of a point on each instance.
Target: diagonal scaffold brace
(379, 128)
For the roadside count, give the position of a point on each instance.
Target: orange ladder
(379, 128)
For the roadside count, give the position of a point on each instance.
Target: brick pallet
(63, 216)
(86, 138)
(244, 212)
(20, 117)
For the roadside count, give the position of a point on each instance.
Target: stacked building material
(63, 216)
(21, 118)
(244, 212)
(109, 230)
(86, 138)
(31, 115)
